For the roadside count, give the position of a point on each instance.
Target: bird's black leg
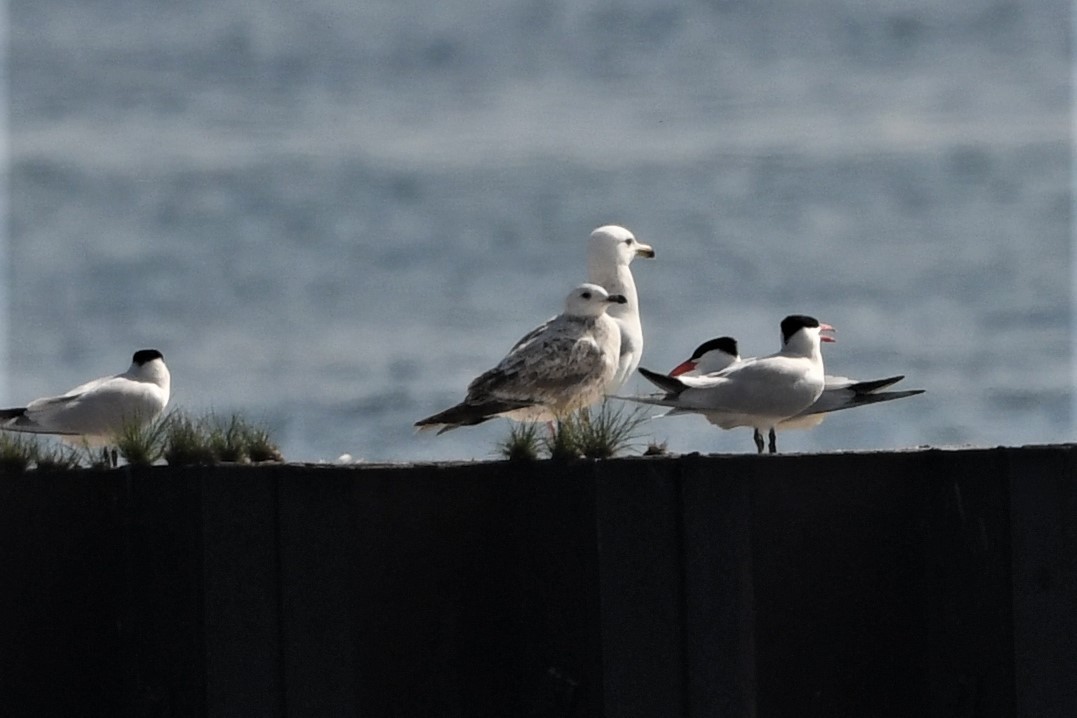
(773, 442)
(758, 438)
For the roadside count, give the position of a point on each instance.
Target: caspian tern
(96, 411)
(760, 393)
(609, 252)
(839, 392)
(560, 366)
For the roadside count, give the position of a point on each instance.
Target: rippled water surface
(332, 216)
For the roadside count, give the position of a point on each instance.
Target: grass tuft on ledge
(17, 452)
(523, 442)
(601, 434)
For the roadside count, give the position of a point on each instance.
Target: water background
(332, 215)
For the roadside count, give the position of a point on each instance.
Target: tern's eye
(586, 295)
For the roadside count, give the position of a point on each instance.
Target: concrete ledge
(871, 584)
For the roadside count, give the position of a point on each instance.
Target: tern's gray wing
(100, 410)
(27, 419)
(52, 402)
(19, 420)
(768, 387)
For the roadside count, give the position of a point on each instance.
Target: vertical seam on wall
(682, 580)
(282, 634)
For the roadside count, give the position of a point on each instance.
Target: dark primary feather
(666, 383)
(470, 414)
(865, 399)
(866, 387)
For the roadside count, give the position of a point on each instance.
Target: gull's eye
(628, 241)
(586, 295)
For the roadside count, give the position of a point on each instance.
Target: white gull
(610, 250)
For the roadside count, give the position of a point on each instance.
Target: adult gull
(609, 252)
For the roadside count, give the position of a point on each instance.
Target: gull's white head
(149, 365)
(613, 245)
(801, 334)
(590, 300)
(710, 356)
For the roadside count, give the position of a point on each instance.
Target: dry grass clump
(175, 438)
(602, 434)
(55, 456)
(522, 443)
(143, 444)
(213, 439)
(186, 444)
(17, 452)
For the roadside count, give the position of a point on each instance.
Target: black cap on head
(146, 355)
(725, 344)
(795, 322)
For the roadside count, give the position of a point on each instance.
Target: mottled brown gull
(560, 366)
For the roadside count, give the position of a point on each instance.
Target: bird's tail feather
(874, 398)
(467, 414)
(6, 414)
(652, 399)
(666, 383)
(867, 387)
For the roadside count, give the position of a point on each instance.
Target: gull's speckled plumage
(560, 366)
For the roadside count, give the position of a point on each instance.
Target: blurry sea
(332, 215)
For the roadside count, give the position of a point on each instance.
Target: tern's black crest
(725, 344)
(794, 323)
(146, 355)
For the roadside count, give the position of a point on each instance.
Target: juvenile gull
(558, 367)
(96, 411)
(839, 392)
(760, 393)
(609, 252)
